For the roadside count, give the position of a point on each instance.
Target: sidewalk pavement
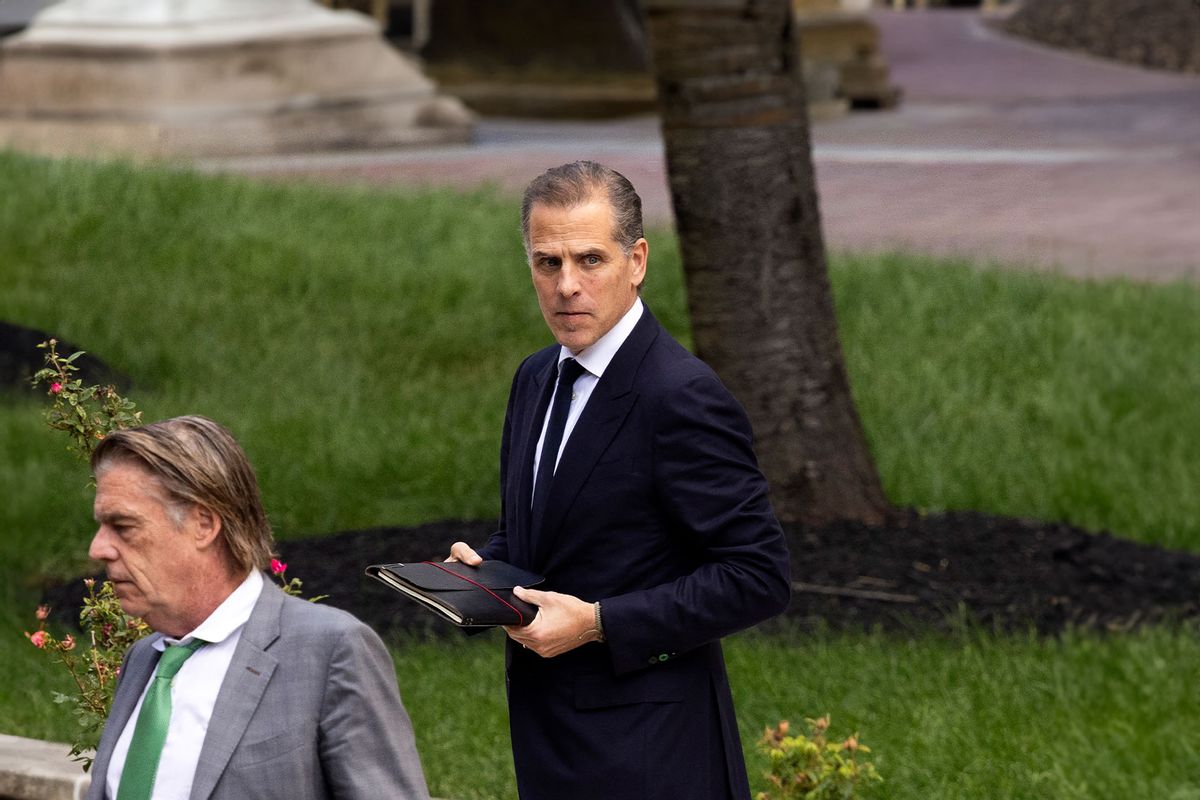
(1001, 151)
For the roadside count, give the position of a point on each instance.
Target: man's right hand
(461, 551)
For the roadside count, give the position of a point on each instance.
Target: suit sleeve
(496, 546)
(366, 741)
(713, 494)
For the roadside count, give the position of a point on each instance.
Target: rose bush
(87, 414)
(811, 767)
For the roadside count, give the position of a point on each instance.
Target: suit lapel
(249, 673)
(600, 421)
(135, 672)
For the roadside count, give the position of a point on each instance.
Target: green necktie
(145, 748)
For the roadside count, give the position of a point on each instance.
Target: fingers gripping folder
(467, 596)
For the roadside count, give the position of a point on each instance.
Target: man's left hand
(563, 622)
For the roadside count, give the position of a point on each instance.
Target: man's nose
(101, 548)
(568, 280)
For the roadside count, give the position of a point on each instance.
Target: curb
(32, 769)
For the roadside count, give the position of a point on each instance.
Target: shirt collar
(595, 359)
(228, 617)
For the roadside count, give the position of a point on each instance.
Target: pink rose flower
(38, 638)
(43, 612)
(55, 387)
(68, 643)
(278, 567)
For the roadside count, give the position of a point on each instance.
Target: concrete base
(31, 769)
(849, 41)
(518, 97)
(313, 80)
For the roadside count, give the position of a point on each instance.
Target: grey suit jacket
(308, 709)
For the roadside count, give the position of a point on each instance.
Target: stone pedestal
(154, 78)
(542, 58)
(838, 33)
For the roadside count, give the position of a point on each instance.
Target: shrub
(810, 767)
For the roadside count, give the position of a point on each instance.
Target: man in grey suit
(242, 691)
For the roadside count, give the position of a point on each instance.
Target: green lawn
(360, 345)
(1029, 395)
(968, 717)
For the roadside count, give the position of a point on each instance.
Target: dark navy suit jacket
(659, 511)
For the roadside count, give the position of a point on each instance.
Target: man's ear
(206, 526)
(639, 253)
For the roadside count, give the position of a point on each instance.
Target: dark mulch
(20, 358)
(1162, 34)
(918, 573)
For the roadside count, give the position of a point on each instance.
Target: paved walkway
(1001, 151)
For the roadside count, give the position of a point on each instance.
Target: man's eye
(591, 261)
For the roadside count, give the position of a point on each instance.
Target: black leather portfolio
(467, 596)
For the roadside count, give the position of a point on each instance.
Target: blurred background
(300, 219)
(1055, 134)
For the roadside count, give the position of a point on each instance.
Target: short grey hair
(574, 184)
(198, 462)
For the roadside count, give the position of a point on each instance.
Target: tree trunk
(739, 159)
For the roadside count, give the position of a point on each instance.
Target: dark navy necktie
(561, 406)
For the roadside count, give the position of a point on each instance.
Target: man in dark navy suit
(629, 480)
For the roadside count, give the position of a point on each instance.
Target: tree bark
(739, 160)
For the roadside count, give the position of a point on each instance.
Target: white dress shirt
(594, 360)
(193, 695)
